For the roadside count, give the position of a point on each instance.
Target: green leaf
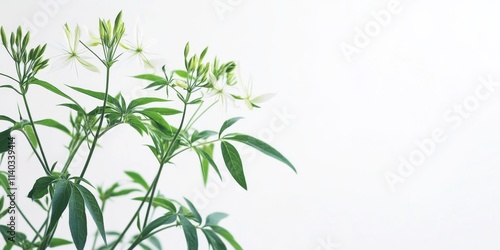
(97, 95)
(156, 118)
(40, 188)
(164, 111)
(228, 124)
(150, 77)
(233, 163)
(51, 88)
(160, 221)
(213, 219)
(4, 182)
(137, 178)
(19, 238)
(6, 118)
(137, 124)
(123, 192)
(94, 209)
(62, 194)
(204, 165)
(207, 155)
(143, 101)
(4, 140)
(159, 202)
(261, 146)
(74, 107)
(77, 218)
(53, 124)
(214, 240)
(189, 233)
(155, 242)
(30, 134)
(202, 135)
(194, 211)
(181, 73)
(227, 236)
(56, 242)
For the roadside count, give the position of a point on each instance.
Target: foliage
(199, 86)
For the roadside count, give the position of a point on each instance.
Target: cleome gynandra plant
(171, 131)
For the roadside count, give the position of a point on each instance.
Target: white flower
(137, 47)
(220, 90)
(181, 83)
(72, 55)
(247, 97)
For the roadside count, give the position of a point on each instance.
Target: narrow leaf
(40, 188)
(227, 236)
(194, 211)
(162, 220)
(62, 194)
(137, 178)
(143, 101)
(94, 209)
(228, 124)
(189, 233)
(207, 156)
(51, 88)
(261, 146)
(233, 163)
(164, 111)
(214, 240)
(53, 124)
(150, 77)
(97, 95)
(57, 242)
(213, 219)
(77, 219)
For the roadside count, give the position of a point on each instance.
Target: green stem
(45, 164)
(94, 143)
(38, 235)
(133, 218)
(167, 155)
(10, 77)
(28, 221)
(191, 123)
(140, 238)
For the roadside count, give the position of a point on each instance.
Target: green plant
(171, 132)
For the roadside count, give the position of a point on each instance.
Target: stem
(94, 143)
(10, 77)
(28, 221)
(166, 156)
(191, 123)
(132, 220)
(45, 164)
(140, 238)
(39, 231)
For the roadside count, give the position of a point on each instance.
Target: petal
(263, 98)
(86, 64)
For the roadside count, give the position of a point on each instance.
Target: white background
(345, 121)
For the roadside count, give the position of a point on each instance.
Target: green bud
(203, 53)
(4, 37)
(12, 39)
(19, 36)
(230, 66)
(186, 50)
(118, 23)
(26, 40)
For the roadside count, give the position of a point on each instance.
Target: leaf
(156, 118)
(74, 107)
(62, 194)
(137, 124)
(150, 77)
(159, 202)
(158, 222)
(213, 219)
(53, 124)
(77, 218)
(204, 165)
(233, 163)
(143, 101)
(189, 233)
(28, 129)
(208, 156)
(97, 95)
(181, 73)
(227, 236)
(261, 146)
(228, 124)
(123, 192)
(155, 242)
(214, 240)
(4, 140)
(4, 182)
(94, 209)
(6, 118)
(40, 188)
(51, 88)
(164, 111)
(56, 242)
(12, 88)
(202, 135)
(137, 178)
(194, 211)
